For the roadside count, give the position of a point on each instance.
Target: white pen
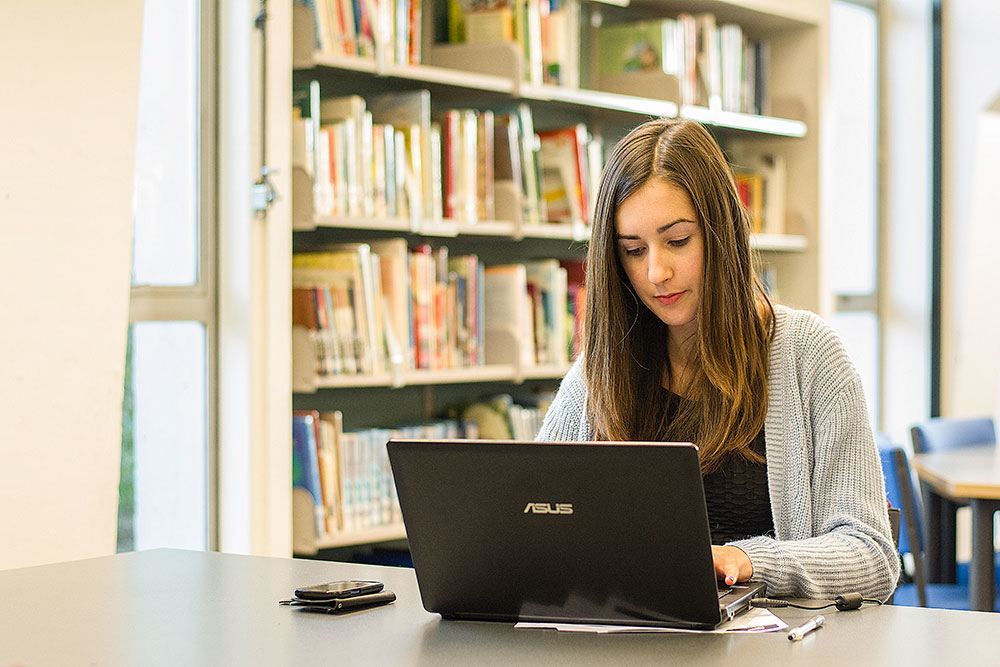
(795, 634)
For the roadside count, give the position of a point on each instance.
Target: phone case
(340, 605)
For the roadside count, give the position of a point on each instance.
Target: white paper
(753, 620)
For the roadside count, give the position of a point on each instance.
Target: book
(708, 67)
(761, 182)
(410, 111)
(534, 205)
(731, 66)
(480, 21)
(336, 421)
(689, 64)
(547, 286)
(356, 135)
(750, 187)
(576, 295)
(640, 46)
(563, 165)
(560, 50)
(305, 465)
(485, 194)
(509, 336)
(347, 269)
(394, 257)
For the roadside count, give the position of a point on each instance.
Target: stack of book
(369, 158)
(386, 157)
(347, 474)
(546, 33)
(571, 160)
(377, 307)
(359, 28)
(716, 66)
(760, 181)
(504, 417)
(373, 307)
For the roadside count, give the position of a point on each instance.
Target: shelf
(557, 230)
(361, 224)
(498, 228)
(778, 242)
(343, 63)
(779, 127)
(508, 230)
(546, 372)
(591, 99)
(600, 100)
(492, 373)
(444, 76)
(367, 536)
(504, 229)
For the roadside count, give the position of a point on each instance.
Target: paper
(753, 620)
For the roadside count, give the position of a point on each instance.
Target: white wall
(67, 128)
(970, 363)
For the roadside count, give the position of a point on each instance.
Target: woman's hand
(731, 564)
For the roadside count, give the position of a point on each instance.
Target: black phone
(349, 604)
(336, 590)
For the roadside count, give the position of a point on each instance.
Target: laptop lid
(572, 532)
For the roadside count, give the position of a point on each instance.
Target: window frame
(199, 302)
(871, 302)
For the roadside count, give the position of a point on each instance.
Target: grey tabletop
(194, 608)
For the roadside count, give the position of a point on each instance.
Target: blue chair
(902, 494)
(943, 434)
(938, 435)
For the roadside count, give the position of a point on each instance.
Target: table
(968, 473)
(171, 607)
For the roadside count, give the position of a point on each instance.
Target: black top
(736, 492)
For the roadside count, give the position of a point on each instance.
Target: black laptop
(605, 533)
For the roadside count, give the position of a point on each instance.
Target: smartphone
(335, 590)
(349, 604)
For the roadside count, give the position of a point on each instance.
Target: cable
(843, 602)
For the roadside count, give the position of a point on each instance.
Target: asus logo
(548, 508)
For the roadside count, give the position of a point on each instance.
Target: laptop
(597, 533)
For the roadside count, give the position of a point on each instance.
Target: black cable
(842, 602)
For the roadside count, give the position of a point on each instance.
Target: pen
(795, 634)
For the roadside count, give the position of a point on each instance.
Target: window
(854, 187)
(166, 489)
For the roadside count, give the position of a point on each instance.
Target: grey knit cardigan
(827, 490)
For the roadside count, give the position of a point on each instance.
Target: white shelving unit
(796, 31)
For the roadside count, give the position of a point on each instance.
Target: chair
(937, 435)
(943, 434)
(902, 493)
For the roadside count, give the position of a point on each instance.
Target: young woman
(683, 344)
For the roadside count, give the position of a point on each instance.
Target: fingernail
(729, 581)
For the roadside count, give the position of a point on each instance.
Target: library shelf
(508, 86)
(596, 99)
(475, 374)
(778, 242)
(389, 533)
(444, 76)
(767, 125)
(493, 77)
(338, 62)
(506, 229)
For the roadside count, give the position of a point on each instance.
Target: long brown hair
(625, 345)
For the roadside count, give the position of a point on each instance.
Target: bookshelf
(493, 77)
